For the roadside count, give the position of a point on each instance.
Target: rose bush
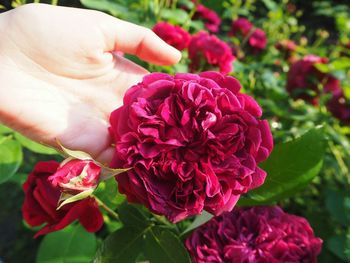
(193, 141)
(42, 198)
(257, 234)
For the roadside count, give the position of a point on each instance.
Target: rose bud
(211, 19)
(303, 79)
(42, 198)
(194, 143)
(75, 176)
(173, 35)
(257, 234)
(208, 52)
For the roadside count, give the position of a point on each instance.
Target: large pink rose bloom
(207, 51)
(193, 142)
(173, 35)
(211, 19)
(257, 234)
(304, 78)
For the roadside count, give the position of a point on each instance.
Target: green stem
(105, 207)
(54, 2)
(338, 157)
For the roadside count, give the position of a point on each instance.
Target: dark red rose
(41, 201)
(206, 51)
(194, 142)
(304, 79)
(257, 234)
(257, 41)
(173, 35)
(211, 19)
(241, 26)
(339, 106)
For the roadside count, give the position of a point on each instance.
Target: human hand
(60, 77)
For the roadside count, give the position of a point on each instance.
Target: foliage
(308, 171)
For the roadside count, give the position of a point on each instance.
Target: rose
(257, 41)
(255, 37)
(194, 142)
(75, 176)
(257, 234)
(339, 106)
(241, 26)
(41, 200)
(286, 45)
(304, 78)
(211, 19)
(207, 50)
(173, 35)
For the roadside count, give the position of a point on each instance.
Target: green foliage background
(308, 172)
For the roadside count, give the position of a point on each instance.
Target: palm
(68, 80)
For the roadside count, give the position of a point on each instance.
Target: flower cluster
(43, 193)
(211, 19)
(257, 234)
(255, 37)
(193, 142)
(306, 82)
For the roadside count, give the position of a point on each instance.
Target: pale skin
(60, 77)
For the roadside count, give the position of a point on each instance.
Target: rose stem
(108, 210)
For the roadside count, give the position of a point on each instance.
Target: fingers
(137, 40)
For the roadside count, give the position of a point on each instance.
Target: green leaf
(337, 244)
(122, 246)
(335, 204)
(198, 221)
(291, 166)
(163, 246)
(10, 158)
(33, 146)
(108, 194)
(70, 245)
(131, 216)
(106, 5)
(4, 129)
(178, 16)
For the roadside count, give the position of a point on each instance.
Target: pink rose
(257, 41)
(206, 51)
(241, 26)
(211, 19)
(41, 200)
(286, 45)
(173, 35)
(76, 176)
(257, 234)
(194, 142)
(255, 37)
(303, 79)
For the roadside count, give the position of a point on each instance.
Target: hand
(60, 77)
